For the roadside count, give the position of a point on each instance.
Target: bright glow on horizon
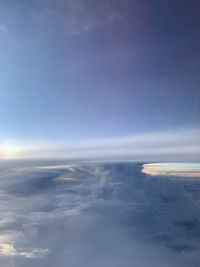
(9, 151)
(190, 170)
(165, 146)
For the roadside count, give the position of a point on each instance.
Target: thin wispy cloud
(166, 145)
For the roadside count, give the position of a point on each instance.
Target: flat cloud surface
(184, 170)
(84, 215)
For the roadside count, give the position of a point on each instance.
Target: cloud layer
(183, 170)
(104, 215)
(180, 145)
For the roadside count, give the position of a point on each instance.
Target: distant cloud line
(189, 170)
(159, 146)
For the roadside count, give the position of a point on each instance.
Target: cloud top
(190, 170)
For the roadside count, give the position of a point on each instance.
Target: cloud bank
(110, 215)
(183, 170)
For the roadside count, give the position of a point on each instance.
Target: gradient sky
(73, 70)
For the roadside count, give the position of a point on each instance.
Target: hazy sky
(73, 70)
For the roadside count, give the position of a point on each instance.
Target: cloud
(9, 250)
(179, 145)
(183, 170)
(9, 247)
(131, 218)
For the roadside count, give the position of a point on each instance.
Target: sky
(75, 73)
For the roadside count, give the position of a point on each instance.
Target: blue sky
(72, 71)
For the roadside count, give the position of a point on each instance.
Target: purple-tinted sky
(80, 70)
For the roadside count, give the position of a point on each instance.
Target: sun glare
(8, 151)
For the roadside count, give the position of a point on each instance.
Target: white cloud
(184, 170)
(73, 221)
(8, 247)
